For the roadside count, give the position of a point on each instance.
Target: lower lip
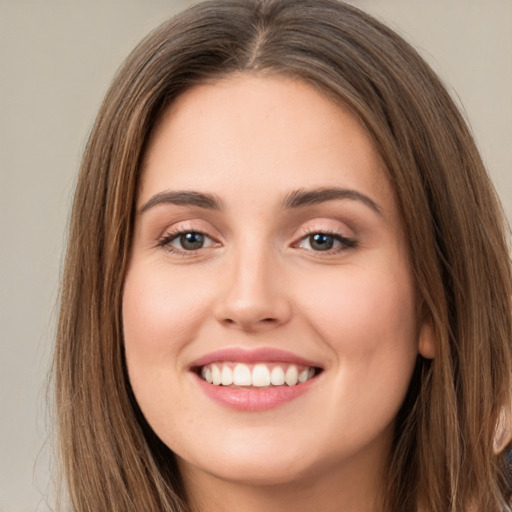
(254, 399)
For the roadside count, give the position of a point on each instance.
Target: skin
(259, 282)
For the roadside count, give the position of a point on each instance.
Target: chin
(256, 463)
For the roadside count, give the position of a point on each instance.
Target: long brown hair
(444, 456)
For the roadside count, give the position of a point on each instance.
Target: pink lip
(252, 399)
(259, 355)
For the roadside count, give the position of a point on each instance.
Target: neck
(347, 489)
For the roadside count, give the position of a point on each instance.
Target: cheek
(367, 319)
(358, 304)
(160, 312)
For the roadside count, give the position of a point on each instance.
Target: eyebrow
(184, 198)
(306, 197)
(296, 199)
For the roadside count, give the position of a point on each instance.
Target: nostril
(268, 320)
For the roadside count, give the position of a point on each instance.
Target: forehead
(274, 132)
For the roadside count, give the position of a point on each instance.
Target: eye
(324, 242)
(186, 241)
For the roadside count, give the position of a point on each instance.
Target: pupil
(191, 241)
(321, 242)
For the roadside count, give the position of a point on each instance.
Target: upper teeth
(260, 375)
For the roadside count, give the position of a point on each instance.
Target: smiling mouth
(259, 375)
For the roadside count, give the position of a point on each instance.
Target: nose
(254, 297)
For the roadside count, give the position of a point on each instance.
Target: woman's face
(268, 251)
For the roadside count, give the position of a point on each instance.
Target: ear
(503, 433)
(427, 340)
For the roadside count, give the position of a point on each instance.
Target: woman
(287, 284)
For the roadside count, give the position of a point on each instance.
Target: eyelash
(345, 242)
(169, 237)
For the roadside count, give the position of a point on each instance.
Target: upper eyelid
(171, 235)
(188, 226)
(310, 228)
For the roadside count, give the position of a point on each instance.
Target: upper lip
(258, 355)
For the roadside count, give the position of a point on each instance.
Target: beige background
(56, 60)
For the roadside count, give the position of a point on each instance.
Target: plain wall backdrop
(56, 61)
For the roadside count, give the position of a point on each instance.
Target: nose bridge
(252, 297)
